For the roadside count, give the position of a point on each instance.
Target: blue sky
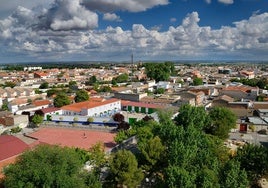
(106, 30)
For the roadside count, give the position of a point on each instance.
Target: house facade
(95, 107)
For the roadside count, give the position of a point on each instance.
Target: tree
(37, 119)
(90, 120)
(81, 95)
(92, 80)
(5, 106)
(10, 84)
(152, 151)
(105, 89)
(44, 85)
(196, 116)
(61, 100)
(97, 155)
(124, 169)
(118, 117)
(160, 91)
(46, 166)
(159, 71)
(197, 81)
(121, 78)
(222, 121)
(231, 175)
(254, 159)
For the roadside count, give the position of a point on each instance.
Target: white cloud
(64, 31)
(226, 1)
(111, 17)
(124, 5)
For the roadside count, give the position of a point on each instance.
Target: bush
(15, 130)
(263, 131)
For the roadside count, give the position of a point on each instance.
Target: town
(81, 106)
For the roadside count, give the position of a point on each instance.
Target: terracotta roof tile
(11, 146)
(92, 103)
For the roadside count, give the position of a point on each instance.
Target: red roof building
(10, 148)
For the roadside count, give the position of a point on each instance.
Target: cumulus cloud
(111, 17)
(64, 31)
(226, 1)
(123, 5)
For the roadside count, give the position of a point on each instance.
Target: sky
(151, 30)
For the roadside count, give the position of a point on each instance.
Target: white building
(94, 107)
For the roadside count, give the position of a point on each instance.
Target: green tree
(124, 169)
(121, 78)
(81, 95)
(254, 159)
(160, 91)
(232, 177)
(46, 166)
(97, 155)
(197, 81)
(10, 84)
(61, 100)
(222, 121)
(5, 106)
(92, 80)
(120, 137)
(196, 116)
(159, 71)
(152, 151)
(44, 85)
(37, 119)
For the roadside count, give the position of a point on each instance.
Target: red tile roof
(241, 88)
(11, 146)
(41, 102)
(48, 110)
(92, 103)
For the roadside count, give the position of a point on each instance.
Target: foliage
(44, 85)
(46, 166)
(90, 119)
(232, 172)
(123, 125)
(97, 155)
(92, 80)
(61, 100)
(105, 89)
(123, 135)
(10, 84)
(259, 82)
(124, 169)
(159, 71)
(81, 95)
(223, 120)
(254, 159)
(37, 119)
(51, 92)
(120, 137)
(121, 78)
(5, 106)
(152, 151)
(16, 129)
(118, 117)
(160, 91)
(189, 115)
(197, 81)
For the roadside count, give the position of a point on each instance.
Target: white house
(94, 107)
